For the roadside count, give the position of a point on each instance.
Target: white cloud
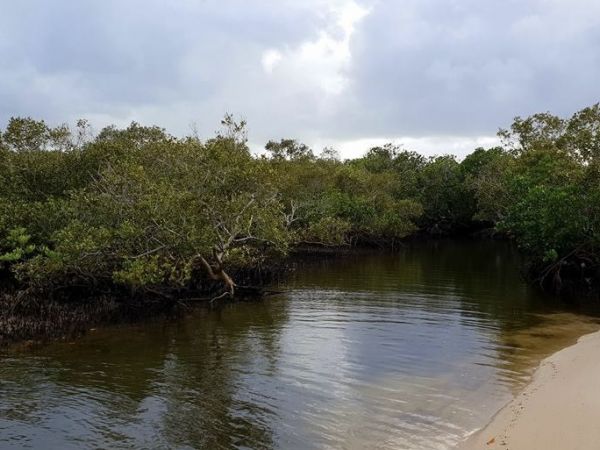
(459, 146)
(321, 62)
(270, 59)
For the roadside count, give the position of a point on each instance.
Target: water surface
(407, 350)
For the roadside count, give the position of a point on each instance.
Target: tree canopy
(142, 209)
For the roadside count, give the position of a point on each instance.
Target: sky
(435, 76)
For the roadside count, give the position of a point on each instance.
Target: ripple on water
(406, 350)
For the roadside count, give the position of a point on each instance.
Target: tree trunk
(217, 273)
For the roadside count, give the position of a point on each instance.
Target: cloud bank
(438, 76)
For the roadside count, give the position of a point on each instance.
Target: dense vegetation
(137, 210)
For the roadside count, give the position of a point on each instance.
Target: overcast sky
(438, 76)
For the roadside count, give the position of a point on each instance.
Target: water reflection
(410, 350)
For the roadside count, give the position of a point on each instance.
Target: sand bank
(558, 410)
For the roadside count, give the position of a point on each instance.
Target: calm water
(411, 350)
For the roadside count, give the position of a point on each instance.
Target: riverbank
(67, 311)
(558, 410)
(36, 319)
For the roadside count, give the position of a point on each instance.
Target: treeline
(139, 210)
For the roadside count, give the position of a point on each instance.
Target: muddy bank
(35, 318)
(69, 311)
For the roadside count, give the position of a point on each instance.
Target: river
(413, 349)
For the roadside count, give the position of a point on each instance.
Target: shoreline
(559, 409)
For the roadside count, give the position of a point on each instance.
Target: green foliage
(140, 208)
(24, 134)
(17, 246)
(582, 134)
(486, 172)
(288, 149)
(546, 220)
(327, 231)
(446, 200)
(538, 129)
(146, 217)
(551, 191)
(330, 202)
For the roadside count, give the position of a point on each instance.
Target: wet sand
(558, 410)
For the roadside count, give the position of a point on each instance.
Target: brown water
(409, 350)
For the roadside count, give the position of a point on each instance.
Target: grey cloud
(427, 67)
(418, 68)
(129, 55)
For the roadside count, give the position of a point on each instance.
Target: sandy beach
(558, 410)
